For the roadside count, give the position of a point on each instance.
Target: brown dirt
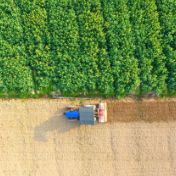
(147, 111)
(37, 140)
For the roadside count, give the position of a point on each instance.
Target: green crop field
(111, 46)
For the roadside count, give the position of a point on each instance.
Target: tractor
(87, 114)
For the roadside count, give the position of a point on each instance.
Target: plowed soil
(146, 111)
(37, 140)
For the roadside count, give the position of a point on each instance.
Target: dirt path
(37, 140)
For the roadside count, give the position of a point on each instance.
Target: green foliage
(167, 16)
(15, 74)
(93, 50)
(120, 46)
(113, 47)
(1, 79)
(35, 19)
(64, 45)
(146, 29)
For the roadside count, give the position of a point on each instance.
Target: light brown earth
(37, 140)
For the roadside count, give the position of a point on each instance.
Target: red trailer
(102, 112)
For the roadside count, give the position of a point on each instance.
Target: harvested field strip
(37, 140)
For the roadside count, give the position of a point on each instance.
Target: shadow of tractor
(58, 122)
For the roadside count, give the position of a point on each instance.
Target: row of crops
(79, 45)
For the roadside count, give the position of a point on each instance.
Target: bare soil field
(37, 140)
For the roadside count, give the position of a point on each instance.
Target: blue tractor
(84, 114)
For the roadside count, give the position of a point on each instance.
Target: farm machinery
(88, 114)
